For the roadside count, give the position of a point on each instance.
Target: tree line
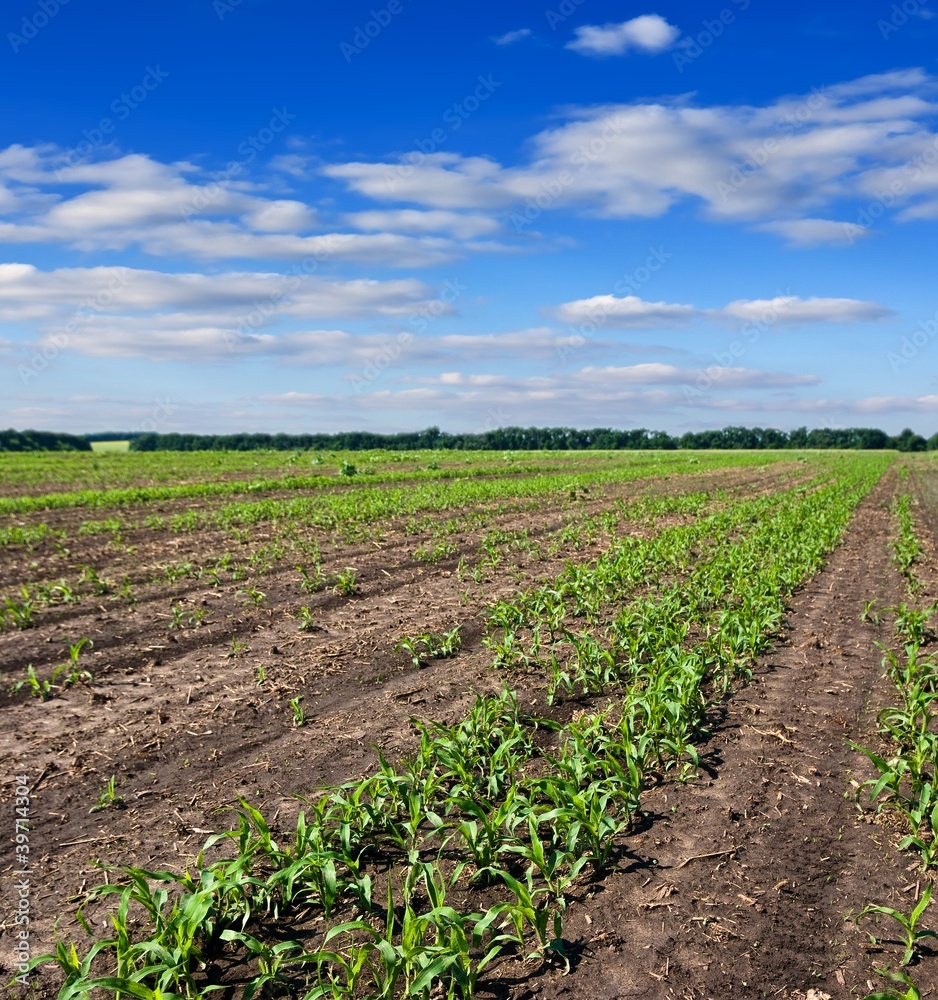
(11, 440)
(501, 439)
(544, 438)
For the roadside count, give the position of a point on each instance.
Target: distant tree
(908, 440)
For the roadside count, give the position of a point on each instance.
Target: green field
(587, 613)
(104, 447)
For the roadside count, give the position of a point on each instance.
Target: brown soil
(187, 730)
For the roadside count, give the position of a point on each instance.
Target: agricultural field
(457, 724)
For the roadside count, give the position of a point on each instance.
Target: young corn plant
(253, 597)
(38, 687)
(429, 646)
(908, 924)
(912, 993)
(109, 798)
(345, 584)
(312, 579)
(99, 585)
(20, 612)
(299, 716)
(307, 621)
(73, 672)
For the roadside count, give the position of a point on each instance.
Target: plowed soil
(743, 881)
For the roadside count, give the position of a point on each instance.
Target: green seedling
(345, 584)
(237, 648)
(109, 799)
(75, 674)
(252, 596)
(439, 552)
(20, 612)
(99, 585)
(869, 613)
(70, 673)
(909, 928)
(306, 620)
(313, 579)
(429, 646)
(299, 716)
(913, 992)
(40, 688)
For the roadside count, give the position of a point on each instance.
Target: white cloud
(198, 300)
(411, 220)
(661, 374)
(280, 216)
(788, 164)
(512, 36)
(817, 232)
(440, 180)
(173, 209)
(893, 404)
(628, 313)
(790, 309)
(633, 313)
(649, 33)
(611, 379)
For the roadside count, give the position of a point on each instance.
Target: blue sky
(274, 215)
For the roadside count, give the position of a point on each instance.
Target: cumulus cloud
(897, 404)
(661, 374)
(123, 288)
(175, 209)
(463, 225)
(626, 313)
(633, 313)
(613, 379)
(790, 310)
(786, 164)
(648, 33)
(513, 36)
(817, 232)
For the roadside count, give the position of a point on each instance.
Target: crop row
(44, 472)
(349, 475)
(20, 608)
(413, 881)
(907, 781)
